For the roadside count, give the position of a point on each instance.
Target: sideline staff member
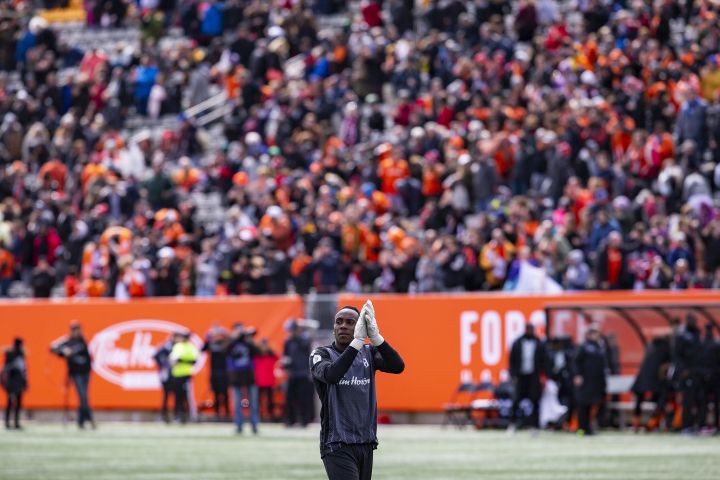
(344, 376)
(182, 359)
(75, 351)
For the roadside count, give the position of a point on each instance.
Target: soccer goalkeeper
(344, 376)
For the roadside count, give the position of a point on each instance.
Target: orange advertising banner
(122, 339)
(446, 339)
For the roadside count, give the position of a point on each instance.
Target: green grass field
(119, 451)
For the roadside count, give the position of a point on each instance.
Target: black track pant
(351, 462)
(14, 404)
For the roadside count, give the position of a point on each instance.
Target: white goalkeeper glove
(360, 331)
(372, 327)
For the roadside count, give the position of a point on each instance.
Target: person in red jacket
(265, 379)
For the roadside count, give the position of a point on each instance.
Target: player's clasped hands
(367, 324)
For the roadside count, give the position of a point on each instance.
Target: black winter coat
(516, 357)
(591, 365)
(648, 378)
(78, 356)
(688, 354)
(14, 372)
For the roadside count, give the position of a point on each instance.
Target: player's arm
(385, 358)
(327, 371)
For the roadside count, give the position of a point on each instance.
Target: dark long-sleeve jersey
(345, 383)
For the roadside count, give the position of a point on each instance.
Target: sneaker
(511, 429)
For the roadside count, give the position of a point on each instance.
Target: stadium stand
(387, 146)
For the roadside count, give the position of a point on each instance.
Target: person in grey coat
(692, 122)
(577, 275)
(484, 182)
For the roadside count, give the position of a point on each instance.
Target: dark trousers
(267, 403)
(219, 386)
(14, 404)
(182, 409)
(166, 390)
(221, 399)
(299, 401)
(5, 286)
(81, 382)
(712, 396)
(351, 462)
(585, 417)
(527, 387)
(691, 393)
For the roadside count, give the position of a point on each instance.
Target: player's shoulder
(319, 353)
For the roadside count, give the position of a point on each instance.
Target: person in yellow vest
(182, 359)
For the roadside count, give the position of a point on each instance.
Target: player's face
(345, 326)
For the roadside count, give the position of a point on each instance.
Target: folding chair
(484, 404)
(457, 410)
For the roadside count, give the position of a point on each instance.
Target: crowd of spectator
(411, 146)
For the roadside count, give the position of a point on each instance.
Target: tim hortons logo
(124, 353)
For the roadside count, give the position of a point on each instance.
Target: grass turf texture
(119, 451)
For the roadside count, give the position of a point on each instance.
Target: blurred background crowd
(207, 148)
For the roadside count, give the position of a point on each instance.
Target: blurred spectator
(74, 349)
(216, 342)
(612, 264)
(527, 364)
(241, 352)
(577, 275)
(265, 378)
(43, 279)
(650, 383)
(590, 370)
(711, 369)
(299, 396)
(162, 360)
(13, 377)
(688, 373)
(182, 359)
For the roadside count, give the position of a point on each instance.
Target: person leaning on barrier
(182, 359)
(74, 350)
